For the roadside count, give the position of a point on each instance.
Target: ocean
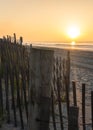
(77, 46)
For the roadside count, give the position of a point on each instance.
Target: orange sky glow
(46, 20)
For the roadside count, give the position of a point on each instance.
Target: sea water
(76, 46)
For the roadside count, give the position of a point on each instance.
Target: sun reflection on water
(73, 44)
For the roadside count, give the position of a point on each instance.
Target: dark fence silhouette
(14, 79)
(14, 90)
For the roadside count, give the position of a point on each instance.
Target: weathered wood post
(59, 103)
(53, 111)
(92, 108)
(21, 40)
(83, 107)
(41, 62)
(74, 93)
(14, 38)
(67, 81)
(73, 118)
(1, 101)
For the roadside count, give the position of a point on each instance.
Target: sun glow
(73, 43)
(73, 31)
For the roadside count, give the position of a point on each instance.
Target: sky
(46, 20)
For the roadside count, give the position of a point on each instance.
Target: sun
(73, 31)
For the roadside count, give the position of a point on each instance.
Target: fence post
(83, 106)
(73, 118)
(74, 93)
(59, 103)
(92, 108)
(53, 111)
(7, 93)
(1, 101)
(41, 62)
(13, 97)
(67, 81)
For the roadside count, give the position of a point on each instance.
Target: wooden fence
(14, 78)
(25, 98)
(50, 76)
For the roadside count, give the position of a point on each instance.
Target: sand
(81, 72)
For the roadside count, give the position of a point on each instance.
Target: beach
(81, 72)
(46, 65)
